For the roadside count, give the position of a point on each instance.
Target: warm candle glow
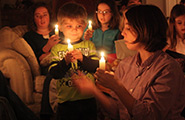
(90, 25)
(56, 30)
(102, 61)
(70, 47)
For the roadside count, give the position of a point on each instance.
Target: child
(71, 104)
(106, 26)
(176, 31)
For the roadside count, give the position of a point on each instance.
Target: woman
(38, 36)
(149, 85)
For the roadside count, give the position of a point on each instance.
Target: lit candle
(102, 61)
(56, 30)
(90, 25)
(70, 47)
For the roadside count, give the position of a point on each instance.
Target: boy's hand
(68, 58)
(77, 55)
(88, 34)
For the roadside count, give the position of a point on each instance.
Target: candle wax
(102, 62)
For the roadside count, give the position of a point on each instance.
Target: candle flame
(90, 22)
(102, 54)
(68, 41)
(56, 26)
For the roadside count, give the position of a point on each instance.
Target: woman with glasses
(106, 18)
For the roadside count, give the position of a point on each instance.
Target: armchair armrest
(15, 67)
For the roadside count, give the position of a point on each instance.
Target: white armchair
(18, 63)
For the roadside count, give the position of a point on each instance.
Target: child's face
(180, 26)
(72, 28)
(41, 17)
(104, 13)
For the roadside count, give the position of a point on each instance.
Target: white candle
(56, 30)
(102, 61)
(90, 25)
(70, 47)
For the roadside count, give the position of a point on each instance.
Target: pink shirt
(158, 85)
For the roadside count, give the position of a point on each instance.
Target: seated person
(38, 36)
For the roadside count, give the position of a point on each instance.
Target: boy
(71, 104)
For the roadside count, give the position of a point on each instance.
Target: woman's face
(180, 26)
(104, 13)
(41, 17)
(130, 36)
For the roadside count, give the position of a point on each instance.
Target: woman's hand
(53, 40)
(83, 83)
(88, 34)
(105, 78)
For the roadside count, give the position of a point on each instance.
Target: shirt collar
(148, 62)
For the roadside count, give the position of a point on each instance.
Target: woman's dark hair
(114, 22)
(176, 11)
(150, 25)
(30, 18)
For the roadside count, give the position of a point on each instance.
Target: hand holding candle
(56, 30)
(102, 61)
(90, 25)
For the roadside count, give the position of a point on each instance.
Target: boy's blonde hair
(72, 10)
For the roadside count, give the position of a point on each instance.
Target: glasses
(103, 12)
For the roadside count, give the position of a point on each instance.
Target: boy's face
(72, 28)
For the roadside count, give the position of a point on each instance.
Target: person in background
(40, 30)
(148, 85)
(72, 105)
(182, 2)
(176, 35)
(176, 31)
(131, 2)
(106, 28)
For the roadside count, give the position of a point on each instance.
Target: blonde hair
(72, 10)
